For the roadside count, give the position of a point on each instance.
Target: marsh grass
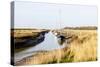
(80, 49)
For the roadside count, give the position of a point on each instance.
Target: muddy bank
(28, 41)
(24, 38)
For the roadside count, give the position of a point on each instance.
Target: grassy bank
(24, 32)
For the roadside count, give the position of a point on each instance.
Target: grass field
(21, 32)
(81, 47)
(84, 47)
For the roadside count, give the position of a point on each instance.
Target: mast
(59, 49)
(59, 18)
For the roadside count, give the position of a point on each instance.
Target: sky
(51, 16)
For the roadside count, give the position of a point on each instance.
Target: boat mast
(59, 18)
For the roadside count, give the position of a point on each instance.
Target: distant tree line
(82, 28)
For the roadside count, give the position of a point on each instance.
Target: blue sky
(50, 16)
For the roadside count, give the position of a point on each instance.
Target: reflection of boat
(61, 39)
(29, 40)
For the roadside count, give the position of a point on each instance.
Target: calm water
(50, 43)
